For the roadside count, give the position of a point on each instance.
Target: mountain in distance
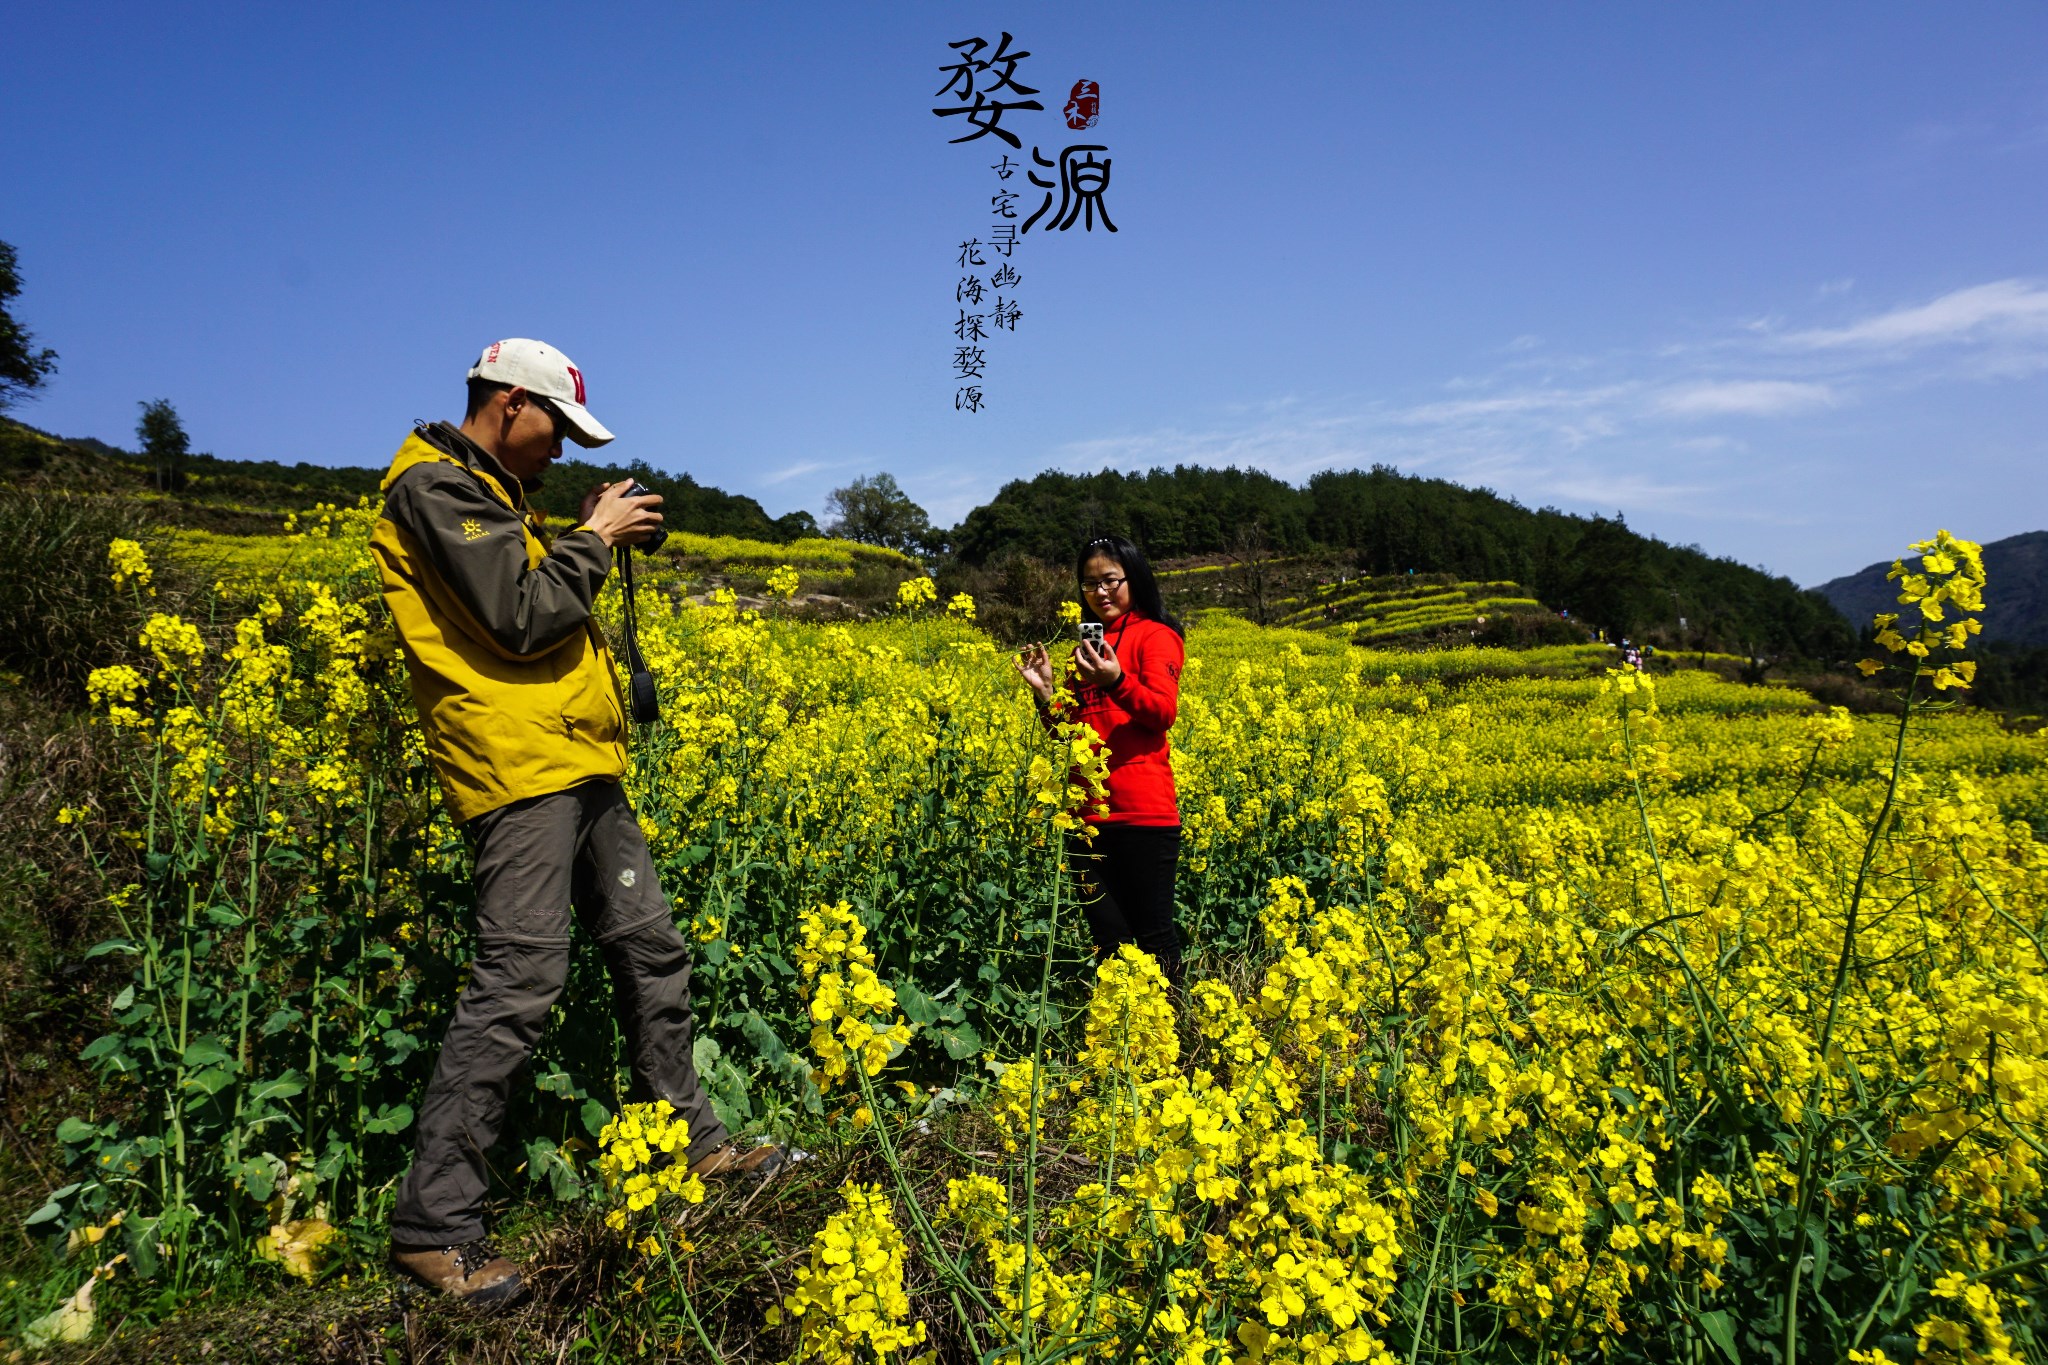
(2015, 592)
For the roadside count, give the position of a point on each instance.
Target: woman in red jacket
(1128, 692)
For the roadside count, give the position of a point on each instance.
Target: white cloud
(796, 471)
(1682, 429)
(1745, 398)
(2002, 308)
(1467, 410)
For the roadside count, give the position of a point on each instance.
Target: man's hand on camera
(618, 519)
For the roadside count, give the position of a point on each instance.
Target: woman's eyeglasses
(1093, 585)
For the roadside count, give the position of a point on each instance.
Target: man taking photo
(525, 730)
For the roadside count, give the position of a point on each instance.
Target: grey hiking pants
(536, 860)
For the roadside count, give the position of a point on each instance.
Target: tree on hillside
(875, 511)
(164, 444)
(797, 525)
(22, 368)
(1254, 573)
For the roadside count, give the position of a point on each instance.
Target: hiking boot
(472, 1272)
(734, 1162)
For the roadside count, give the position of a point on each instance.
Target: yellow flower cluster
(1072, 783)
(850, 1304)
(913, 593)
(643, 1155)
(1951, 575)
(782, 581)
(853, 1018)
(174, 641)
(130, 563)
(1302, 1253)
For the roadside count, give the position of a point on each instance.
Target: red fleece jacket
(1132, 717)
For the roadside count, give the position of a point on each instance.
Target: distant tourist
(1127, 689)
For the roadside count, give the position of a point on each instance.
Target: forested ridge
(1379, 520)
(1596, 568)
(250, 495)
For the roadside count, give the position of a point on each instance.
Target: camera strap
(646, 705)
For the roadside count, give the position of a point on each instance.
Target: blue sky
(1772, 279)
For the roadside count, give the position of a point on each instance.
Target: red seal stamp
(1084, 105)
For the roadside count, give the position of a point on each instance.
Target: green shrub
(61, 614)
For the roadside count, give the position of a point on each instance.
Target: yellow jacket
(511, 676)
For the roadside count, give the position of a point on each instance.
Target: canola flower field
(1534, 1018)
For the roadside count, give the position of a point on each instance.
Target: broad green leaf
(763, 1038)
(960, 1041)
(73, 1131)
(595, 1117)
(337, 1155)
(705, 1052)
(207, 1051)
(259, 1178)
(277, 1088)
(918, 1007)
(1720, 1330)
(560, 1083)
(726, 1088)
(210, 1080)
(391, 1118)
(124, 999)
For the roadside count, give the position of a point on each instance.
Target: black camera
(646, 703)
(660, 537)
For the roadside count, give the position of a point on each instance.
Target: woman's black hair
(1145, 598)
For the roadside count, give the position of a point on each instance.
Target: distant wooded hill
(2015, 595)
(1389, 523)
(247, 496)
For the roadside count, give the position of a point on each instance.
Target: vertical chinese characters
(983, 83)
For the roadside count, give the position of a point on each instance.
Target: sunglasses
(554, 413)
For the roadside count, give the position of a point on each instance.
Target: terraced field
(1407, 609)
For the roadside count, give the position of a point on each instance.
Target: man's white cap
(539, 368)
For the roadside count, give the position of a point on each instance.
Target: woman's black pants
(1125, 880)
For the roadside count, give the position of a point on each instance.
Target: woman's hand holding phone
(1096, 662)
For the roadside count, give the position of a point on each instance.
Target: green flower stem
(927, 1235)
(1809, 1138)
(1052, 935)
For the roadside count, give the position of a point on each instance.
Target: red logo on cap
(576, 378)
(491, 356)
